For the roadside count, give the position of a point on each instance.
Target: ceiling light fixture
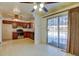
(40, 9)
(41, 5)
(35, 7)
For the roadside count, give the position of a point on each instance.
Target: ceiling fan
(41, 5)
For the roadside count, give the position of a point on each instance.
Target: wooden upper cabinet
(17, 24)
(7, 22)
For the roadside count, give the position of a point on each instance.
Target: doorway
(58, 31)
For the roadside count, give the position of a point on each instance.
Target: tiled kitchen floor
(26, 47)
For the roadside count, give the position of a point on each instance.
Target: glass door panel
(63, 30)
(53, 31)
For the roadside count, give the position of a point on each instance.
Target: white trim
(56, 15)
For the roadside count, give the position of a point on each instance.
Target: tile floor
(26, 47)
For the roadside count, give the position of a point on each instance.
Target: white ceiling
(6, 9)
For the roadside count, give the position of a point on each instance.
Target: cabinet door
(15, 35)
(28, 34)
(32, 35)
(25, 35)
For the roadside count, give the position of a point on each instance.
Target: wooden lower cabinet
(26, 35)
(29, 35)
(15, 35)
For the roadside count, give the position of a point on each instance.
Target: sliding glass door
(53, 31)
(57, 31)
(63, 31)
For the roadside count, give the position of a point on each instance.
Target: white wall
(44, 31)
(40, 30)
(37, 35)
(24, 29)
(0, 30)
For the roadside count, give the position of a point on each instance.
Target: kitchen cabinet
(23, 25)
(27, 34)
(16, 24)
(15, 35)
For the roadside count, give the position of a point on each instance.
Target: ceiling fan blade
(33, 10)
(45, 9)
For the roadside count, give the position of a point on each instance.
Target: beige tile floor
(26, 47)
